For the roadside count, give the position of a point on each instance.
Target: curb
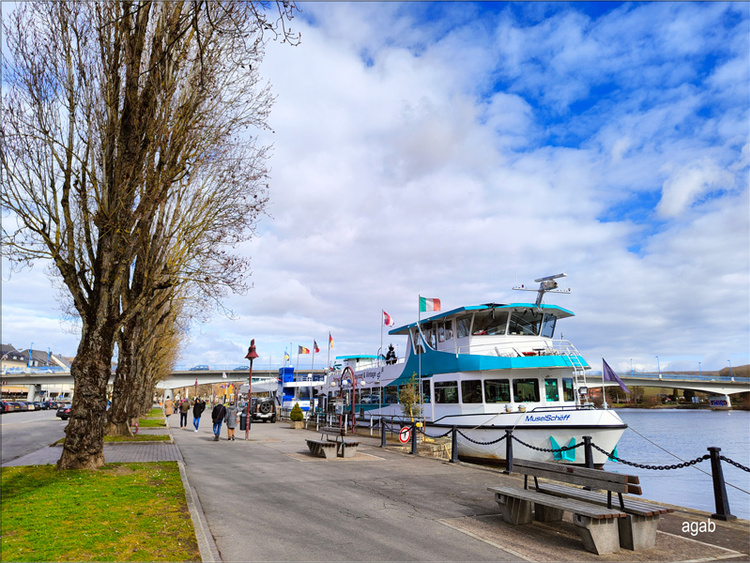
(206, 545)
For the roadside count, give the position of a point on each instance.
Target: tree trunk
(84, 435)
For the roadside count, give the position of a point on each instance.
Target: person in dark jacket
(217, 415)
(198, 409)
(184, 409)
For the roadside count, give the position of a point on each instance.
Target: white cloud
(449, 159)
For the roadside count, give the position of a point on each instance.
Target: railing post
(413, 438)
(454, 445)
(720, 490)
(589, 458)
(508, 452)
(382, 432)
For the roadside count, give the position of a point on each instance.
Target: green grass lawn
(120, 512)
(152, 422)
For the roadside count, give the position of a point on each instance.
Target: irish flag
(428, 304)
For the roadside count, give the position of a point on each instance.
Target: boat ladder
(579, 371)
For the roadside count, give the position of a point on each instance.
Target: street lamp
(251, 355)
(730, 370)
(700, 373)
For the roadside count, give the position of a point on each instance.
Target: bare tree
(123, 121)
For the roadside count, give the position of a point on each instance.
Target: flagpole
(312, 363)
(604, 390)
(382, 322)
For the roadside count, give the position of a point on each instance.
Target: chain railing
(719, 485)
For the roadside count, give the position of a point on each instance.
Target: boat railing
(514, 349)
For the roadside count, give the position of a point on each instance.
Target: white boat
(486, 369)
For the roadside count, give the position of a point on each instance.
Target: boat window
(550, 390)
(446, 392)
(525, 321)
(375, 396)
(548, 326)
(526, 390)
(417, 342)
(568, 394)
(463, 324)
(497, 391)
(445, 331)
(425, 390)
(390, 395)
(490, 322)
(471, 391)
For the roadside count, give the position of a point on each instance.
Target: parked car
(5, 407)
(199, 368)
(22, 406)
(14, 406)
(263, 408)
(63, 411)
(29, 405)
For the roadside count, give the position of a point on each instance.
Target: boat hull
(480, 437)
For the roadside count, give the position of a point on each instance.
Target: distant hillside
(737, 371)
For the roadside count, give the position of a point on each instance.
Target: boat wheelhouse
(485, 369)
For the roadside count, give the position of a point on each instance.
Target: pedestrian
(168, 409)
(184, 408)
(198, 409)
(231, 419)
(217, 415)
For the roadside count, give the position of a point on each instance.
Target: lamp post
(731, 374)
(251, 355)
(700, 373)
(658, 367)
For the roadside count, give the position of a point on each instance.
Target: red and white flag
(387, 319)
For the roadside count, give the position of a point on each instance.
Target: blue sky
(454, 150)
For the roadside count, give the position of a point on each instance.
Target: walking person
(184, 409)
(217, 415)
(198, 409)
(168, 409)
(231, 419)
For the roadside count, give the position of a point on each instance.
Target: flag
(330, 341)
(427, 304)
(609, 375)
(387, 319)
(303, 350)
(315, 347)
(286, 356)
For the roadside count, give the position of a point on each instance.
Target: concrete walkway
(268, 499)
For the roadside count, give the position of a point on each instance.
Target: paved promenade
(267, 499)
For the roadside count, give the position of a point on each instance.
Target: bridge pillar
(35, 393)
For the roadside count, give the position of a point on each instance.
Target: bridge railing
(680, 377)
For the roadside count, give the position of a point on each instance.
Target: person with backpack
(217, 415)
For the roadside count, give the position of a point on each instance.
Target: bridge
(34, 378)
(714, 384)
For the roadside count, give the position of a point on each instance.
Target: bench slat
(577, 470)
(569, 505)
(583, 476)
(632, 506)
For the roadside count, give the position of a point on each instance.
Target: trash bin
(243, 421)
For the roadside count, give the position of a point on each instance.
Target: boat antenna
(546, 285)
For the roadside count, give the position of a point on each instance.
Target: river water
(687, 434)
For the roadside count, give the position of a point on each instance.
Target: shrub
(296, 414)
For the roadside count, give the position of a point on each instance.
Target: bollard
(720, 488)
(382, 432)
(454, 445)
(508, 452)
(413, 438)
(587, 452)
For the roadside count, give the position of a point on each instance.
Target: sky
(456, 150)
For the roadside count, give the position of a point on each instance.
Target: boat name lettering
(547, 418)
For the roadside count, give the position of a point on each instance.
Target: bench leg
(515, 511)
(638, 532)
(328, 452)
(347, 451)
(599, 536)
(544, 513)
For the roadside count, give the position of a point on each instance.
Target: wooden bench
(637, 530)
(326, 447)
(597, 524)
